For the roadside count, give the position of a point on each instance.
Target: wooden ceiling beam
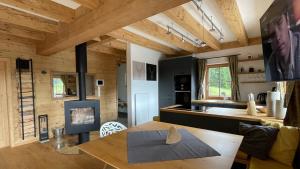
(116, 44)
(231, 13)
(107, 50)
(234, 44)
(20, 31)
(90, 4)
(43, 7)
(104, 39)
(139, 40)
(110, 15)
(12, 16)
(186, 20)
(157, 31)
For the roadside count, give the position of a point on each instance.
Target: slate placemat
(150, 146)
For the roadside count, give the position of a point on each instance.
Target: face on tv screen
(280, 29)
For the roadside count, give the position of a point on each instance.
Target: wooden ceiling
(54, 27)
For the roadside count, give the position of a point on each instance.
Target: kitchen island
(217, 119)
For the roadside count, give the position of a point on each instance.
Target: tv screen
(280, 31)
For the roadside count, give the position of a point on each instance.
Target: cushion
(267, 164)
(285, 146)
(258, 140)
(271, 123)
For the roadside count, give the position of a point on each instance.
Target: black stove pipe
(81, 69)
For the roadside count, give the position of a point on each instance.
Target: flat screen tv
(280, 32)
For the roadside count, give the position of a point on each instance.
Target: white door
(141, 108)
(4, 126)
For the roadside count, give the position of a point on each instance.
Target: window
(218, 81)
(66, 85)
(58, 87)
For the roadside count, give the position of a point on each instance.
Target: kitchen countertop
(237, 114)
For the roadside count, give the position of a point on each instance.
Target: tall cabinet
(178, 81)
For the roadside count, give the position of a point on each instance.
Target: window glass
(66, 85)
(218, 81)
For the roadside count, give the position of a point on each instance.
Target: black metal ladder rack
(26, 97)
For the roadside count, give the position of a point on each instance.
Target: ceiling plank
(116, 44)
(20, 31)
(44, 7)
(139, 40)
(13, 16)
(157, 31)
(109, 16)
(90, 4)
(231, 13)
(186, 20)
(107, 50)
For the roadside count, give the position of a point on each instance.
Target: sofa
(284, 154)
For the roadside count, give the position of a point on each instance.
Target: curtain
(292, 117)
(201, 75)
(288, 93)
(233, 66)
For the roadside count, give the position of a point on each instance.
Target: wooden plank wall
(102, 65)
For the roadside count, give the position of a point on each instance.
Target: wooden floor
(43, 156)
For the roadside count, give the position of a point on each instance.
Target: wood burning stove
(82, 116)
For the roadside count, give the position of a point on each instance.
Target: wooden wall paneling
(102, 65)
(4, 117)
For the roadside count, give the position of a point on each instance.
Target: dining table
(113, 149)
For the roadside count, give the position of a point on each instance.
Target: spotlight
(221, 38)
(168, 32)
(202, 44)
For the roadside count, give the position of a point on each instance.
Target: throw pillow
(258, 140)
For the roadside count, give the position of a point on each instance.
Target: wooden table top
(229, 113)
(113, 149)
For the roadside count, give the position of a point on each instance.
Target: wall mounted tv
(280, 31)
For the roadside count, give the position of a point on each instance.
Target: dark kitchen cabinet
(175, 70)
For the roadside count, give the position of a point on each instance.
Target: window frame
(207, 81)
(54, 73)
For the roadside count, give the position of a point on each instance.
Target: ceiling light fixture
(203, 44)
(213, 27)
(169, 32)
(184, 38)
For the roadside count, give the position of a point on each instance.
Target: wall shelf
(250, 60)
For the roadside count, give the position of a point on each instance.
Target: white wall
(243, 52)
(142, 95)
